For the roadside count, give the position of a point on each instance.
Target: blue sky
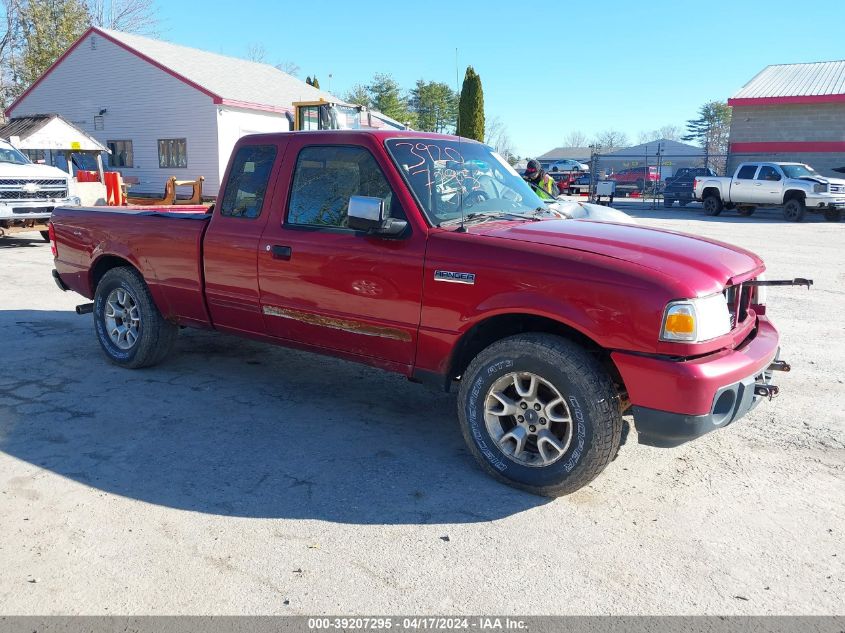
(546, 68)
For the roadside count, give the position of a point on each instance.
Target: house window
(172, 152)
(121, 154)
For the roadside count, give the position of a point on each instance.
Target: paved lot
(240, 478)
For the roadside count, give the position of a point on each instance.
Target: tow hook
(85, 308)
(779, 365)
(767, 391)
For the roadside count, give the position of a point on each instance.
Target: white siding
(233, 123)
(143, 103)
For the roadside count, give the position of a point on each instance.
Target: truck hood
(10, 170)
(706, 266)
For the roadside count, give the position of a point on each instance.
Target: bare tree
(496, 136)
(611, 140)
(257, 53)
(8, 49)
(667, 132)
(132, 16)
(291, 68)
(576, 138)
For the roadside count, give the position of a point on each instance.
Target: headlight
(820, 188)
(696, 320)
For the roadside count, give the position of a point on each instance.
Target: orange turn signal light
(679, 323)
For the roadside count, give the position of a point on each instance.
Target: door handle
(280, 252)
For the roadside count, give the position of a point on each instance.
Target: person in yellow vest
(538, 177)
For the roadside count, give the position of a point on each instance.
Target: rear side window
(768, 173)
(327, 176)
(248, 179)
(747, 172)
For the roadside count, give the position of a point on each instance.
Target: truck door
(743, 184)
(327, 286)
(230, 247)
(768, 186)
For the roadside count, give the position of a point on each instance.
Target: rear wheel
(539, 413)
(833, 215)
(128, 325)
(713, 205)
(45, 235)
(794, 210)
(668, 202)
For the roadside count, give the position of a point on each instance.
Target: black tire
(45, 235)
(682, 202)
(155, 335)
(713, 205)
(745, 211)
(794, 210)
(589, 395)
(668, 202)
(833, 215)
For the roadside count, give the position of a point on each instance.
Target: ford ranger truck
(795, 187)
(429, 256)
(29, 192)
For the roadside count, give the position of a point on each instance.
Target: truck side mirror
(366, 213)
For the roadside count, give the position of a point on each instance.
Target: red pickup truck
(429, 256)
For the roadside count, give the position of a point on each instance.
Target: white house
(162, 109)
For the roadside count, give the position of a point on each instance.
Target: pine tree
(308, 80)
(315, 82)
(471, 107)
(711, 130)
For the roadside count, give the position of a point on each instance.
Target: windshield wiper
(484, 216)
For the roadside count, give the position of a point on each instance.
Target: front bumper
(23, 210)
(822, 201)
(676, 401)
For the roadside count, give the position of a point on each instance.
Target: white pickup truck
(29, 192)
(794, 186)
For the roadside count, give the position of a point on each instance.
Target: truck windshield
(799, 171)
(451, 179)
(11, 155)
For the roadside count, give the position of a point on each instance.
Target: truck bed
(163, 243)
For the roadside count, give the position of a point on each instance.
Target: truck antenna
(461, 228)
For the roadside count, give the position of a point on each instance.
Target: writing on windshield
(451, 178)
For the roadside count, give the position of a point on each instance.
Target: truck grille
(32, 189)
(739, 298)
(836, 188)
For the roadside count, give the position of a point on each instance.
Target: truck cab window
(768, 172)
(244, 195)
(747, 172)
(327, 176)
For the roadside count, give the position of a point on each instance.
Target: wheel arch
(107, 262)
(711, 191)
(791, 194)
(497, 327)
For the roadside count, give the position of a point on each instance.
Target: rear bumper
(57, 278)
(676, 401)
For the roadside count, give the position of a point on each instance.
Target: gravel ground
(240, 478)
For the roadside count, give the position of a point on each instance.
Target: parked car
(29, 192)
(637, 176)
(367, 246)
(567, 165)
(679, 187)
(794, 186)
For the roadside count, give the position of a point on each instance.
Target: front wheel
(794, 210)
(130, 329)
(539, 414)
